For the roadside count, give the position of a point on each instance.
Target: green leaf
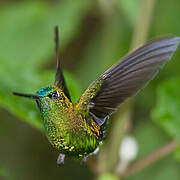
(167, 110)
(23, 108)
(27, 43)
(177, 154)
(130, 9)
(107, 176)
(73, 86)
(4, 173)
(29, 36)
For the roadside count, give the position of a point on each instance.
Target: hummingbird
(77, 129)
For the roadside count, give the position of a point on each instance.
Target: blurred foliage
(177, 154)
(166, 112)
(4, 173)
(100, 33)
(165, 169)
(23, 50)
(107, 176)
(130, 9)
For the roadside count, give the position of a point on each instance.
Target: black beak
(32, 96)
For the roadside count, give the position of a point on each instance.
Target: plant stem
(143, 23)
(155, 156)
(109, 156)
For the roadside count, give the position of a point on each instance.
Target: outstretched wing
(59, 79)
(126, 78)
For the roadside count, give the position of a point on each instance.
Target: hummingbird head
(45, 97)
(40, 94)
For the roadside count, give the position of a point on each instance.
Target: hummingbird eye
(54, 95)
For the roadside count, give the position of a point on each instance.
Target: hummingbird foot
(60, 159)
(84, 160)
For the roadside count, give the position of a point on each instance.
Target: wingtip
(175, 43)
(171, 39)
(175, 39)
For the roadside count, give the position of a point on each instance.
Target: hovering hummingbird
(77, 129)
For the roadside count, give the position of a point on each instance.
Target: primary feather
(127, 77)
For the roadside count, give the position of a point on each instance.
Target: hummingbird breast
(70, 132)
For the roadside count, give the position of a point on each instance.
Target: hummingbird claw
(84, 160)
(60, 159)
(99, 121)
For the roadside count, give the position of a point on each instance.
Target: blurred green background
(94, 34)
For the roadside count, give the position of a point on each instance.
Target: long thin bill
(32, 96)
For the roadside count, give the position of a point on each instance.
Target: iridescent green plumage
(66, 128)
(77, 129)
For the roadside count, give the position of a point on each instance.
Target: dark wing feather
(59, 79)
(129, 75)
